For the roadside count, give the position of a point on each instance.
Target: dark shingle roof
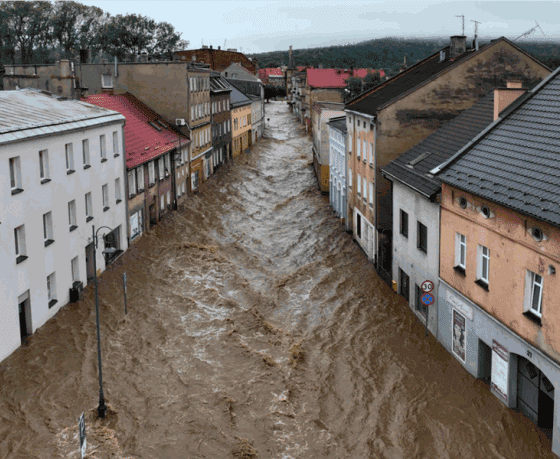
(339, 123)
(516, 164)
(245, 86)
(440, 146)
(238, 98)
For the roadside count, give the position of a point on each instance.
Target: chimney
(290, 58)
(144, 57)
(64, 68)
(85, 56)
(458, 45)
(210, 46)
(219, 47)
(504, 97)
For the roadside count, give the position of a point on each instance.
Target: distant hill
(389, 53)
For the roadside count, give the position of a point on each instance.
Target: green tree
(371, 80)
(354, 87)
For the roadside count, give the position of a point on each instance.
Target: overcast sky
(258, 26)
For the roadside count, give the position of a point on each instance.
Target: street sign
(427, 286)
(427, 299)
(82, 429)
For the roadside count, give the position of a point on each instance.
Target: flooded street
(255, 326)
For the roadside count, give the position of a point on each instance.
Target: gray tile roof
(218, 83)
(516, 164)
(439, 147)
(237, 98)
(246, 87)
(339, 123)
(30, 113)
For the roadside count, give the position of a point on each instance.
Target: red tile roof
(335, 78)
(270, 72)
(143, 142)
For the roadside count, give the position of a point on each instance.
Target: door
(358, 225)
(89, 262)
(24, 315)
(404, 284)
(535, 394)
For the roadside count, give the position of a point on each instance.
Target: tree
(371, 80)
(354, 87)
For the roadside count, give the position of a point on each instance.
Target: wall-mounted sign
(500, 369)
(427, 286)
(460, 305)
(459, 333)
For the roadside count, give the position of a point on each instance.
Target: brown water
(255, 325)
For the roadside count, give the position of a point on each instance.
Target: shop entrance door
(535, 394)
(24, 311)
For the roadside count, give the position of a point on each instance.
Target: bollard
(124, 289)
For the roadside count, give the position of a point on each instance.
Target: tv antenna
(476, 27)
(530, 31)
(462, 16)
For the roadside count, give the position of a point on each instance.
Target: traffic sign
(82, 429)
(427, 299)
(427, 286)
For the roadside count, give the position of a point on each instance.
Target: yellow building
(240, 121)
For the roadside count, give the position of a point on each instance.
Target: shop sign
(500, 370)
(460, 305)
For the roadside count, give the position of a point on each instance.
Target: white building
(338, 166)
(61, 171)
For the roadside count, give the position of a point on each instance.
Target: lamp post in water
(102, 408)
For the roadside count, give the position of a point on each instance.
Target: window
(102, 148)
(131, 183)
(422, 238)
(371, 154)
(161, 203)
(89, 207)
(349, 143)
(404, 223)
(48, 229)
(19, 239)
(167, 164)
(75, 267)
(421, 307)
(235, 124)
(44, 166)
(72, 215)
(105, 196)
(364, 149)
(15, 175)
(151, 172)
(161, 167)
(460, 251)
(118, 190)
(106, 81)
(229, 125)
(371, 194)
(404, 284)
(358, 149)
(350, 178)
(365, 188)
(69, 158)
(85, 153)
(483, 266)
(51, 290)
(533, 294)
(115, 144)
(359, 184)
(140, 178)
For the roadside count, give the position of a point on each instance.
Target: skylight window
(160, 122)
(154, 125)
(419, 158)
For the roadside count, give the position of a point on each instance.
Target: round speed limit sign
(427, 286)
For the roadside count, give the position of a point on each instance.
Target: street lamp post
(102, 408)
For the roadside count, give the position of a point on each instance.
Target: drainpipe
(125, 177)
(376, 200)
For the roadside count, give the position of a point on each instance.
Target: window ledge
(105, 209)
(17, 191)
(71, 171)
(130, 196)
(533, 318)
(52, 303)
(104, 160)
(73, 227)
(424, 251)
(87, 166)
(119, 201)
(371, 165)
(460, 270)
(20, 259)
(116, 155)
(48, 242)
(88, 219)
(481, 284)
(47, 180)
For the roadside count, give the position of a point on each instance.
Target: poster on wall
(459, 336)
(135, 224)
(500, 364)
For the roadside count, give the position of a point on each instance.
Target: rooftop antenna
(462, 16)
(476, 27)
(530, 31)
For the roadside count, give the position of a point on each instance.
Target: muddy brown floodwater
(256, 326)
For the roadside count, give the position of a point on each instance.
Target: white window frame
(359, 184)
(167, 164)
(364, 188)
(131, 183)
(47, 227)
(461, 250)
(44, 165)
(161, 168)
(371, 194)
(140, 178)
(350, 178)
(481, 258)
(118, 190)
(105, 196)
(115, 144)
(69, 152)
(89, 205)
(85, 153)
(358, 147)
(152, 172)
(364, 150)
(51, 288)
(75, 269)
(15, 173)
(72, 220)
(371, 153)
(19, 241)
(532, 281)
(102, 147)
(161, 203)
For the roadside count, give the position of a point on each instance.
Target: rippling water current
(256, 326)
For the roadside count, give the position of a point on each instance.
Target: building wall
(337, 170)
(28, 207)
(240, 136)
(221, 122)
(419, 266)
(513, 251)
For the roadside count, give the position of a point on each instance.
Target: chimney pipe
(504, 97)
(458, 46)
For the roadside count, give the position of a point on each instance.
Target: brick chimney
(458, 46)
(64, 68)
(503, 97)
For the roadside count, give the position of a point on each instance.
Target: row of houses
(89, 148)
(447, 175)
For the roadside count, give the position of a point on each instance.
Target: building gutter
(365, 115)
(203, 153)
